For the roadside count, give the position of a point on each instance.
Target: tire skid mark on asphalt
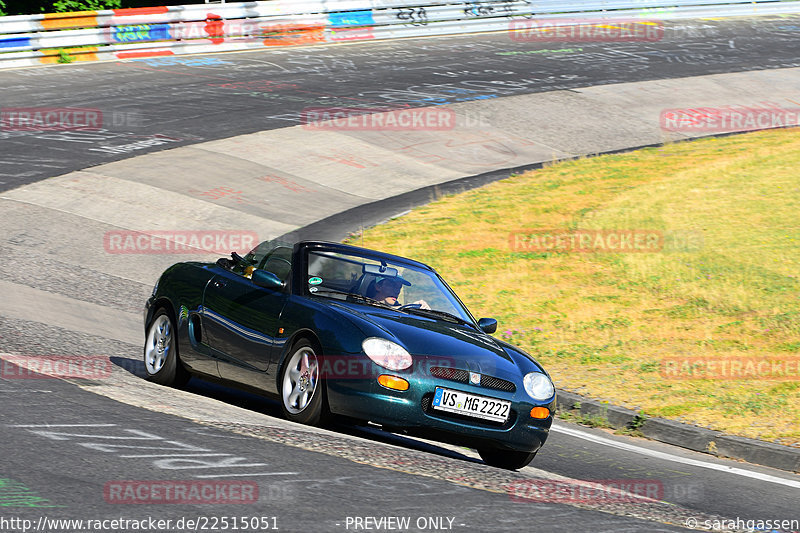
(23, 302)
(467, 474)
(125, 386)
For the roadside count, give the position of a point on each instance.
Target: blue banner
(15, 42)
(351, 18)
(142, 32)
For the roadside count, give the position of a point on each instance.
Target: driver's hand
(423, 304)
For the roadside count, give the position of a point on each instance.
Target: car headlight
(538, 386)
(386, 353)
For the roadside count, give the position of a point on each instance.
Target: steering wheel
(410, 306)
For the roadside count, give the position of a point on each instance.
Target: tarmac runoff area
(110, 230)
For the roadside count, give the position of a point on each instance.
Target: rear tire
(161, 361)
(302, 387)
(510, 460)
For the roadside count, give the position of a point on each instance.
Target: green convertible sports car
(336, 330)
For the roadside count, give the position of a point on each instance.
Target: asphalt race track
(184, 100)
(69, 444)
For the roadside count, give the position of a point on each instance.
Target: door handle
(219, 283)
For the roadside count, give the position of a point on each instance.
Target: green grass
(725, 283)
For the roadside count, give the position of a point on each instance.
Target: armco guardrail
(160, 31)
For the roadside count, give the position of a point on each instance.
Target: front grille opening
(462, 376)
(453, 374)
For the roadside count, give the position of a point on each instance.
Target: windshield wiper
(431, 313)
(358, 297)
(438, 314)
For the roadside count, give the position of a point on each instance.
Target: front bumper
(411, 411)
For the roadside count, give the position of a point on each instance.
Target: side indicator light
(540, 412)
(393, 382)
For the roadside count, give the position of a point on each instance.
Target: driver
(387, 291)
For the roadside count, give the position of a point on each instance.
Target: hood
(440, 342)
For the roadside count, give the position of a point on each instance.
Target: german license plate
(466, 404)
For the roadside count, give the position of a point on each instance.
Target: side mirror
(487, 325)
(224, 262)
(266, 279)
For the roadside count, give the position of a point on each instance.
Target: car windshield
(382, 283)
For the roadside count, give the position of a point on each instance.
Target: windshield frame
(301, 287)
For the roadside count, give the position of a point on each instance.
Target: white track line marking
(176, 455)
(251, 474)
(675, 458)
(60, 425)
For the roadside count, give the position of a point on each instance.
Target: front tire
(510, 460)
(302, 388)
(161, 361)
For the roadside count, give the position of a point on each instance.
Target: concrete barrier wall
(30, 40)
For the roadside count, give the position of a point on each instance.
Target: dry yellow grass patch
(725, 285)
